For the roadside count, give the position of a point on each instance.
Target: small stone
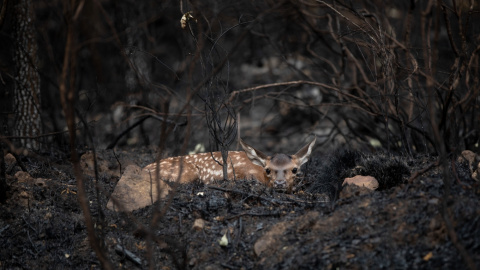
(473, 161)
(476, 173)
(468, 156)
(192, 261)
(40, 182)
(24, 195)
(23, 177)
(433, 201)
(198, 224)
(261, 245)
(10, 160)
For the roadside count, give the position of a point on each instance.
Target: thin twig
(67, 90)
(128, 254)
(422, 171)
(273, 201)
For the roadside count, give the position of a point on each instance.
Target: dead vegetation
(396, 85)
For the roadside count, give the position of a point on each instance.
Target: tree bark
(27, 80)
(3, 177)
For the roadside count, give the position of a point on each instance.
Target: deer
(279, 171)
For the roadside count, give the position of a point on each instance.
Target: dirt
(242, 224)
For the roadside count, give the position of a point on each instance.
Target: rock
(136, 189)
(41, 182)
(23, 177)
(198, 224)
(263, 244)
(473, 161)
(24, 195)
(468, 156)
(476, 173)
(362, 181)
(269, 241)
(10, 160)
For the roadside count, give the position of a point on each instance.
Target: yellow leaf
(428, 256)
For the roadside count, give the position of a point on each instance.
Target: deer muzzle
(280, 183)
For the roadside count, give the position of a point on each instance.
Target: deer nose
(280, 184)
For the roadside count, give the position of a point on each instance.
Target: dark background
(373, 73)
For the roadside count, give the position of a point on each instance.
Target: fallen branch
(275, 213)
(128, 254)
(273, 201)
(422, 171)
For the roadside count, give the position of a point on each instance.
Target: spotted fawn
(278, 171)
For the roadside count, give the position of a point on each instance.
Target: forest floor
(236, 225)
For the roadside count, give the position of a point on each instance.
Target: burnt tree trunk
(3, 177)
(27, 80)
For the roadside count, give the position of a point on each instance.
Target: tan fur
(204, 167)
(252, 164)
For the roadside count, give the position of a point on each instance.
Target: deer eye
(294, 170)
(267, 171)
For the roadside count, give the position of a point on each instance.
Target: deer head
(280, 169)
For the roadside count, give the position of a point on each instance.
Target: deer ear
(303, 154)
(255, 156)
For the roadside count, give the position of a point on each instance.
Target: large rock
(362, 181)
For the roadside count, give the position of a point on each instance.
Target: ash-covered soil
(243, 225)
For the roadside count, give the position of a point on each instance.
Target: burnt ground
(401, 227)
